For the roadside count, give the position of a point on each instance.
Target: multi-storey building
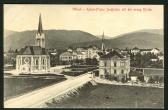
(114, 64)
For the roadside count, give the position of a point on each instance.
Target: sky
(112, 19)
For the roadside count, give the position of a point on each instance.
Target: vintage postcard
(83, 56)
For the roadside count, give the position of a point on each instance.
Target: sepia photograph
(83, 56)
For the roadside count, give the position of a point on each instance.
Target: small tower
(40, 37)
(103, 45)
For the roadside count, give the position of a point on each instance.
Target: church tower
(40, 37)
(103, 45)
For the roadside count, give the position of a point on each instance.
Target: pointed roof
(33, 50)
(40, 27)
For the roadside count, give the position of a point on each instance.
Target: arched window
(37, 62)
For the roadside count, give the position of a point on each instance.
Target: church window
(36, 61)
(43, 61)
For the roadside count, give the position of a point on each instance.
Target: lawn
(114, 96)
(14, 86)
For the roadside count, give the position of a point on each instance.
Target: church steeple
(40, 27)
(40, 37)
(103, 45)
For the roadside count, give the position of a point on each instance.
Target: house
(155, 51)
(115, 65)
(145, 51)
(67, 56)
(81, 55)
(154, 59)
(34, 59)
(91, 52)
(135, 50)
(161, 57)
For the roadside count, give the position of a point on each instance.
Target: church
(34, 59)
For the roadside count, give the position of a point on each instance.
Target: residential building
(155, 51)
(145, 51)
(114, 64)
(67, 56)
(135, 50)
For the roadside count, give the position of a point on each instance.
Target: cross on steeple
(40, 27)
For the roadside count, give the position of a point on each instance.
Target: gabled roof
(113, 54)
(33, 50)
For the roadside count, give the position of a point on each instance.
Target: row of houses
(80, 53)
(136, 50)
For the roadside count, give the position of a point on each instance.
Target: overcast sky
(117, 20)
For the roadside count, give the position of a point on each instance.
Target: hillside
(140, 39)
(64, 38)
(54, 38)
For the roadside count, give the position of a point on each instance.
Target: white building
(34, 59)
(155, 51)
(135, 50)
(114, 64)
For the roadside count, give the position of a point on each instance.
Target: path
(37, 98)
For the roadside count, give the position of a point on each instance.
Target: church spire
(40, 27)
(40, 37)
(103, 46)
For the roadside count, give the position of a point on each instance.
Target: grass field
(18, 85)
(114, 96)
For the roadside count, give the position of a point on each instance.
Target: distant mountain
(8, 32)
(63, 38)
(54, 38)
(140, 39)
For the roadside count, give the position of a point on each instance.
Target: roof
(135, 48)
(145, 49)
(33, 50)
(66, 54)
(156, 48)
(112, 54)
